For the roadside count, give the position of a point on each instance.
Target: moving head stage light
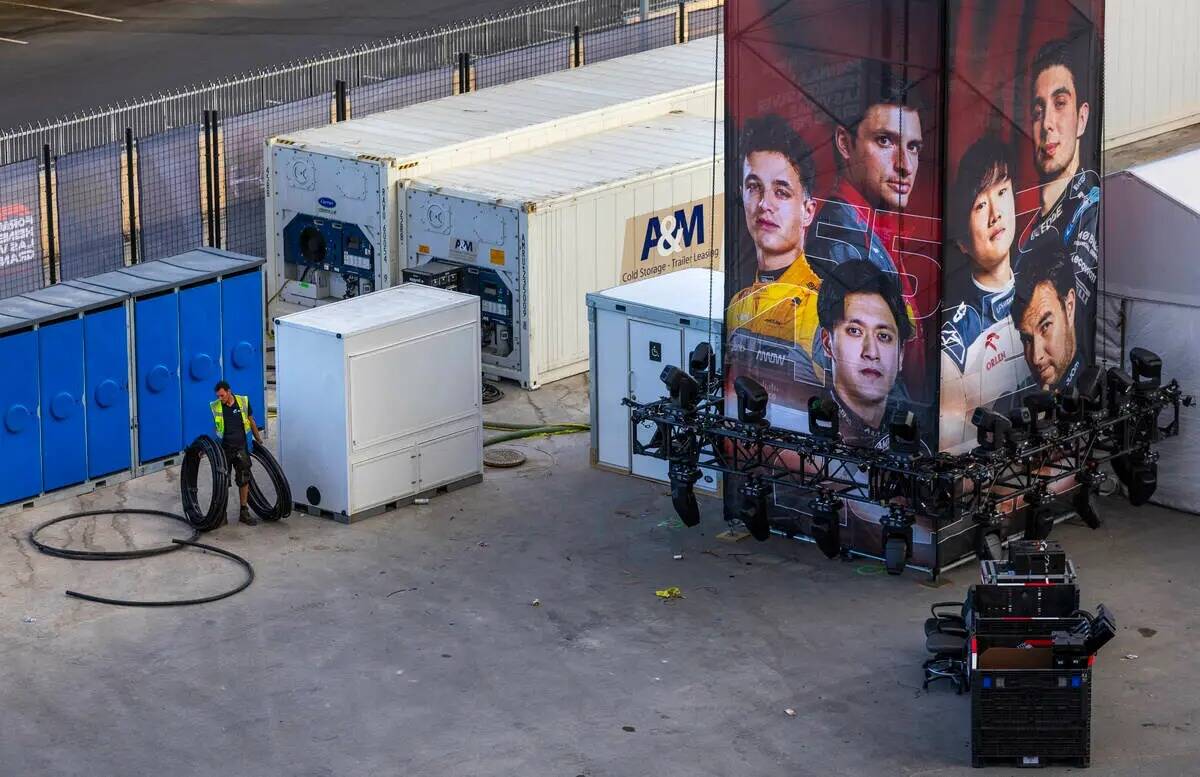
(1043, 458)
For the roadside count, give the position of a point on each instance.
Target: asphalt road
(58, 63)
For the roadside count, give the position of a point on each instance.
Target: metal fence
(161, 176)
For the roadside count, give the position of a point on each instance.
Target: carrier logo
(327, 202)
(672, 234)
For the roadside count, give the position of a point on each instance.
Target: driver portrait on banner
(771, 324)
(878, 143)
(1069, 214)
(864, 330)
(981, 352)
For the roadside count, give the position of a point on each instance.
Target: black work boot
(245, 517)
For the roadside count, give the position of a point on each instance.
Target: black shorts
(239, 463)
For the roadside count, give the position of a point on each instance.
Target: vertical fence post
(217, 188)
(465, 72)
(130, 177)
(47, 162)
(208, 176)
(682, 37)
(339, 97)
(576, 47)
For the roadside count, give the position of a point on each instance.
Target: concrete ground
(410, 644)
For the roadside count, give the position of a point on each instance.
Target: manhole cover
(503, 457)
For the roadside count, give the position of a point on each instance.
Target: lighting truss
(981, 486)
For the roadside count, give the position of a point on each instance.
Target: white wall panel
(1152, 68)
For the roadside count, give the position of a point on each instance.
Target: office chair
(946, 635)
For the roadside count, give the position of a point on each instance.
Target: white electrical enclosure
(333, 192)
(379, 399)
(535, 232)
(636, 331)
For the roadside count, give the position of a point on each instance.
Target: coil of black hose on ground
(262, 507)
(138, 553)
(243, 563)
(201, 517)
(107, 555)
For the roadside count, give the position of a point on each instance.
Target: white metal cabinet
(379, 399)
(636, 331)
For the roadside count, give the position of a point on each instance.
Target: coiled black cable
(107, 555)
(204, 519)
(491, 393)
(180, 602)
(259, 503)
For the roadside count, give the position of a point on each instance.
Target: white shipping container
(636, 331)
(1151, 67)
(333, 192)
(535, 232)
(379, 399)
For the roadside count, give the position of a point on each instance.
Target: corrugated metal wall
(1152, 68)
(577, 248)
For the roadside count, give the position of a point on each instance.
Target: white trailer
(334, 192)
(533, 233)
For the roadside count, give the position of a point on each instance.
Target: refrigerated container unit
(637, 330)
(380, 399)
(535, 232)
(334, 193)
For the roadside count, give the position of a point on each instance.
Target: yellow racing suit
(783, 310)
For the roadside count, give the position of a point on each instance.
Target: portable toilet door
(242, 325)
(20, 437)
(200, 355)
(156, 353)
(64, 425)
(242, 322)
(106, 371)
(58, 366)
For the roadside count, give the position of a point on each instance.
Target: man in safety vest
(233, 419)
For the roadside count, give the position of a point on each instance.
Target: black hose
(107, 555)
(491, 393)
(180, 602)
(282, 507)
(214, 516)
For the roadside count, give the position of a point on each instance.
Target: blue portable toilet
(240, 347)
(20, 437)
(156, 354)
(179, 337)
(42, 403)
(117, 370)
(106, 372)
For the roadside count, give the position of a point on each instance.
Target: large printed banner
(1022, 211)
(913, 196)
